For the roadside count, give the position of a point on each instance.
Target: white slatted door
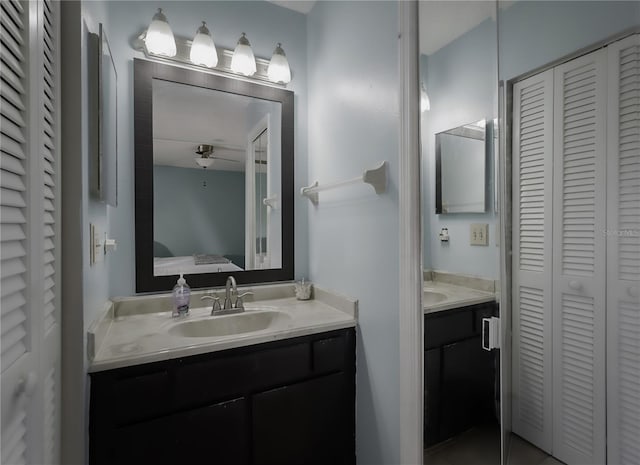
(579, 264)
(532, 252)
(30, 309)
(19, 346)
(48, 235)
(623, 253)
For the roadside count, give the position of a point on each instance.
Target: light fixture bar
(183, 53)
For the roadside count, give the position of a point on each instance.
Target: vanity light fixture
(279, 70)
(159, 43)
(159, 39)
(425, 104)
(243, 61)
(203, 50)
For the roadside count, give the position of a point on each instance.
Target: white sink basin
(433, 297)
(227, 325)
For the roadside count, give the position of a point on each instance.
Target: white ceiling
(301, 6)
(443, 21)
(185, 117)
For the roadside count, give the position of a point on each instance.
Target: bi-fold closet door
(576, 184)
(623, 253)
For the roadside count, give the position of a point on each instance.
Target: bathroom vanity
(279, 395)
(459, 376)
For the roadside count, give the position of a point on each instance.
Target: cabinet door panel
(213, 434)
(305, 423)
(432, 396)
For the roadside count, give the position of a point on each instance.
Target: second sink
(228, 325)
(432, 297)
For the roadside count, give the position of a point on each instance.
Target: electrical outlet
(479, 234)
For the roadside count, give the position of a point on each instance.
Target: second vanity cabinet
(459, 376)
(284, 402)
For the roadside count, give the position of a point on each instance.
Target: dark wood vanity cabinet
(459, 376)
(283, 402)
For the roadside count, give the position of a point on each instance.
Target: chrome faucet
(229, 306)
(231, 287)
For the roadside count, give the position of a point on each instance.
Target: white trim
(504, 184)
(410, 238)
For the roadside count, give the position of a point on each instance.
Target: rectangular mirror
(214, 162)
(214, 178)
(461, 169)
(104, 158)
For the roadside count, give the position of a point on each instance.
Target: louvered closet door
(30, 334)
(579, 265)
(19, 346)
(623, 253)
(532, 253)
(48, 266)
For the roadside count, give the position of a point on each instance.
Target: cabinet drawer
(226, 376)
(447, 327)
(140, 397)
(328, 355)
(484, 311)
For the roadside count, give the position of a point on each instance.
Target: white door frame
(410, 300)
(250, 194)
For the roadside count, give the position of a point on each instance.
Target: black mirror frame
(488, 155)
(144, 72)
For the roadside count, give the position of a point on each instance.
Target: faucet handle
(239, 302)
(216, 302)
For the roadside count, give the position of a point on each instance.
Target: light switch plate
(479, 234)
(95, 243)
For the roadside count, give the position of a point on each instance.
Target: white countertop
(126, 338)
(452, 296)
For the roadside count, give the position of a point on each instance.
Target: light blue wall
(265, 24)
(189, 217)
(461, 81)
(353, 233)
(85, 287)
(534, 33)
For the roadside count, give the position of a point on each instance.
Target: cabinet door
(579, 266)
(305, 423)
(214, 434)
(532, 258)
(623, 252)
(432, 395)
(467, 389)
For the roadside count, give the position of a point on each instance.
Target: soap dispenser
(181, 296)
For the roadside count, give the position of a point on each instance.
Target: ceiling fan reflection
(206, 157)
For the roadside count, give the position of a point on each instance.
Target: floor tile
(478, 446)
(522, 452)
(551, 461)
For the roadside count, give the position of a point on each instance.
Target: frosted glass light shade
(243, 61)
(203, 50)
(204, 162)
(279, 70)
(425, 104)
(159, 39)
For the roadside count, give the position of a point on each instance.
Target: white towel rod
(377, 177)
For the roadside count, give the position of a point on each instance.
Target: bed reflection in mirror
(216, 181)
